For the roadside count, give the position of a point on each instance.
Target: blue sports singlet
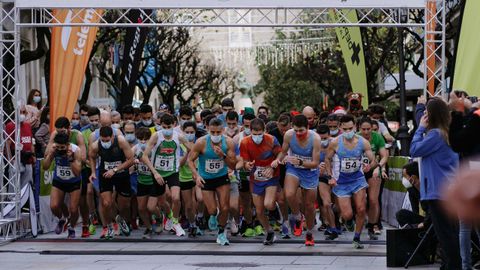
(350, 161)
(210, 165)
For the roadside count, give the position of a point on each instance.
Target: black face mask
(62, 152)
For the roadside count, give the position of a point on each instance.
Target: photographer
(66, 179)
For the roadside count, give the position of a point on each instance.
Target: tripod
(419, 245)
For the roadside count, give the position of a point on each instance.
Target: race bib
(164, 163)
(112, 165)
(143, 169)
(214, 165)
(259, 174)
(350, 165)
(64, 172)
(365, 160)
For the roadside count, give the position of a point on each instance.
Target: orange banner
(70, 50)
(431, 56)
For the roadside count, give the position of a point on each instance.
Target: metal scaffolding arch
(192, 13)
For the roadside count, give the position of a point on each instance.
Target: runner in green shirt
(374, 176)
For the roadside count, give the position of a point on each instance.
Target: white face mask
(257, 139)
(75, 122)
(37, 99)
(247, 131)
(22, 118)
(216, 139)
(116, 126)
(406, 183)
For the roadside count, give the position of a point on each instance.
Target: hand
(268, 172)
(159, 179)
(52, 149)
(332, 182)
(109, 174)
(321, 166)
(69, 153)
(136, 161)
(92, 177)
(424, 121)
(422, 100)
(420, 225)
(218, 150)
(200, 181)
(384, 174)
(275, 163)
(249, 165)
(455, 103)
(293, 160)
(366, 167)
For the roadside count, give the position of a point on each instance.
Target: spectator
(128, 113)
(27, 157)
(439, 162)
(84, 115)
(311, 116)
(76, 121)
(33, 107)
(377, 113)
(42, 136)
(263, 110)
(146, 115)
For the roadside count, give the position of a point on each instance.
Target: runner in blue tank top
(351, 181)
(215, 152)
(301, 152)
(66, 179)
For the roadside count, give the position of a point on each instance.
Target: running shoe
(249, 232)
(371, 234)
(233, 227)
(110, 233)
(192, 231)
(134, 225)
(322, 228)
(285, 231)
(93, 219)
(178, 229)
(356, 244)
(104, 233)
(158, 227)
(124, 228)
(116, 229)
(332, 235)
(269, 239)
(259, 230)
(350, 225)
(309, 242)
(85, 232)
(377, 230)
(60, 226)
(212, 223)
(201, 223)
(298, 228)
(167, 224)
(71, 233)
(92, 229)
(276, 227)
(222, 239)
(147, 234)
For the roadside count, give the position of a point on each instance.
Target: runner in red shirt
(258, 151)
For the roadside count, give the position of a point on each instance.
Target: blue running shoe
(285, 231)
(222, 239)
(212, 223)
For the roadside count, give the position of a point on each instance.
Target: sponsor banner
(134, 42)
(70, 52)
(350, 40)
(394, 192)
(468, 52)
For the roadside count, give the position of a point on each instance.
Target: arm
(185, 142)
(317, 146)
(332, 148)
(128, 152)
(50, 141)
(286, 145)
(49, 156)
(192, 157)
(230, 155)
(76, 164)
(369, 153)
(184, 158)
(424, 145)
(81, 145)
(41, 134)
(92, 157)
(419, 111)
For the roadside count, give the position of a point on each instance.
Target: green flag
(350, 40)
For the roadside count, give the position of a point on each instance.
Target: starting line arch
(17, 14)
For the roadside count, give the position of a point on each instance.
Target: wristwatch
(300, 162)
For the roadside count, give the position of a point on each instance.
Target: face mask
(325, 143)
(216, 139)
(94, 126)
(247, 131)
(349, 135)
(190, 137)
(62, 152)
(22, 118)
(406, 183)
(106, 145)
(84, 120)
(130, 137)
(231, 131)
(37, 99)
(334, 132)
(116, 126)
(257, 139)
(200, 126)
(302, 136)
(182, 122)
(147, 123)
(142, 146)
(158, 127)
(137, 122)
(167, 132)
(75, 122)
